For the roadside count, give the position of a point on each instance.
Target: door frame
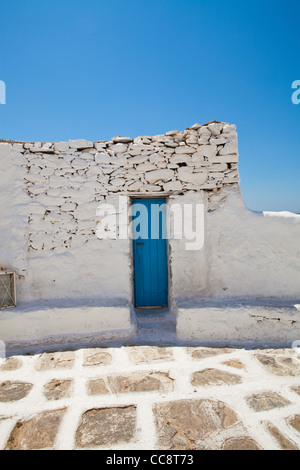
(152, 196)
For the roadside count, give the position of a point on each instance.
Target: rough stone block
(230, 148)
(207, 150)
(159, 175)
(61, 146)
(189, 422)
(215, 128)
(185, 149)
(240, 443)
(80, 144)
(14, 391)
(96, 357)
(141, 382)
(283, 442)
(97, 387)
(214, 377)
(265, 401)
(59, 360)
(58, 389)
(37, 433)
(148, 354)
(118, 148)
(107, 427)
(122, 140)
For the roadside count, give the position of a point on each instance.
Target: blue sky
(98, 68)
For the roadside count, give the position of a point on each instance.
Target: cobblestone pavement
(150, 397)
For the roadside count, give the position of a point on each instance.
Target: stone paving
(151, 397)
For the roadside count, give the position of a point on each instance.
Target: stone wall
(67, 277)
(65, 181)
(50, 192)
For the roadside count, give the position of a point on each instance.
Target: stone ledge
(34, 324)
(258, 321)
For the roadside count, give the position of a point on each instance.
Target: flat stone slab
(106, 427)
(185, 424)
(14, 391)
(235, 363)
(11, 363)
(203, 353)
(208, 377)
(58, 389)
(97, 387)
(281, 362)
(61, 360)
(96, 357)
(294, 421)
(266, 401)
(141, 382)
(283, 442)
(36, 433)
(240, 443)
(147, 354)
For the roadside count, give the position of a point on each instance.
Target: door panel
(150, 253)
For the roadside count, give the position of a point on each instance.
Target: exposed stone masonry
(66, 181)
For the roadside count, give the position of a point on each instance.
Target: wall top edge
(125, 139)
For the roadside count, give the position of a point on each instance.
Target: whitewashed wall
(50, 192)
(252, 254)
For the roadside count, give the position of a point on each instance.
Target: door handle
(140, 243)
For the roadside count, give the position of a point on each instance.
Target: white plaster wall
(244, 320)
(245, 253)
(252, 254)
(13, 214)
(99, 268)
(47, 323)
(188, 268)
(87, 267)
(49, 194)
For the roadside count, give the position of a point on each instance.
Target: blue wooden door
(150, 252)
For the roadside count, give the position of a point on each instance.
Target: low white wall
(252, 254)
(245, 253)
(49, 323)
(254, 322)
